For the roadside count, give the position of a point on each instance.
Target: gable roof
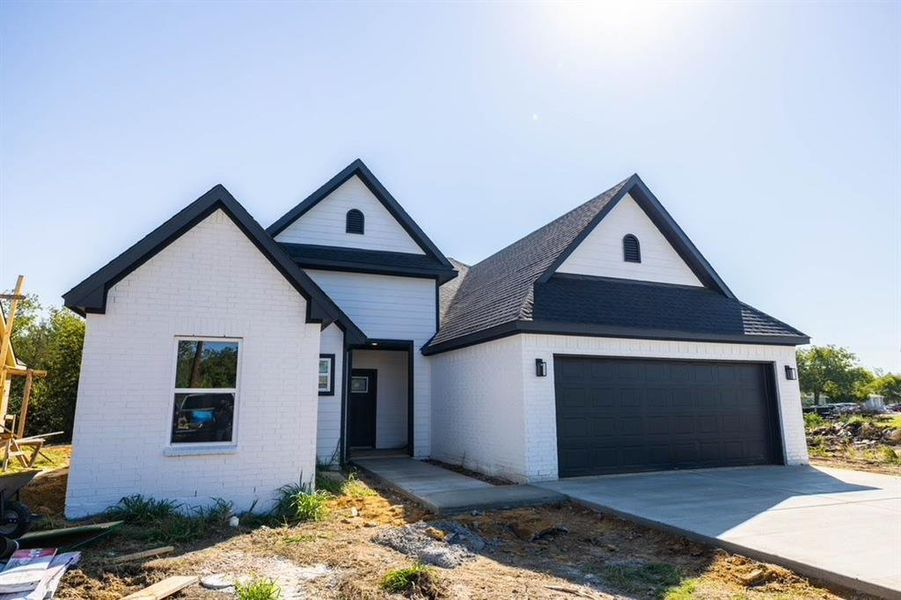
(497, 295)
(357, 168)
(90, 295)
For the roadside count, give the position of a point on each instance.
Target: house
(225, 360)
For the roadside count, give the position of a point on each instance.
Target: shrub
(417, 580)
(329, 481)
(296, 503)
(813, 421)
(855, 421)
(258, 589)
(888, 455)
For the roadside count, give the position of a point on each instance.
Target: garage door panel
(621, 415)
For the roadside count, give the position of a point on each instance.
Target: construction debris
(142, 555)
(164, 588)
(419, 541)
(68, 537)
(35, 574)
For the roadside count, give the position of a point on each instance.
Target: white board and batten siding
(329, 428)
(123, 418)
(325, 223)
(601, 252)
(396, 308)
(492, 413)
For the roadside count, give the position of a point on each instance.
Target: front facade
(223, 360)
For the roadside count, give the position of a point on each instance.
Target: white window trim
(202, 448)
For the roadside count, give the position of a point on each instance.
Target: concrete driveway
(840, 526)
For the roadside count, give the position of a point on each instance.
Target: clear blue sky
(770, 131)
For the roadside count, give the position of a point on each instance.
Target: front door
(361, 403)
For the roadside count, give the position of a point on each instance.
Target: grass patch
(51, 458)
(640, 578)
(258, 589)
(329, 481)
(685, 591)
(355, 488)
(297, 504)
(418, 580)
(166, 521)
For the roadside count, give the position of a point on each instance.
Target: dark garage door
(622, 415)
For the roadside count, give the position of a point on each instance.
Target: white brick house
(225, 360)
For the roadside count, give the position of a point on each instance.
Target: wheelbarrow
(15, 517)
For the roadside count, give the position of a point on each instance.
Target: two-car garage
(619, 415)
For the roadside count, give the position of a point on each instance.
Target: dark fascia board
(379, 191)
(667, 226)
(581, 329)
(439, 273)
(90, 295)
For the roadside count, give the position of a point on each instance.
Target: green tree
(888, 386)
(51, 341)
(832, 371)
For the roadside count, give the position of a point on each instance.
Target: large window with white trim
(206, 389)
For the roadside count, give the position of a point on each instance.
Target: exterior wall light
(790, 373)
(540, 368)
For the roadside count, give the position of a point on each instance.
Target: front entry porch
(379, 400)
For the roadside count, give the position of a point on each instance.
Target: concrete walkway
(839, 526)
(442, 491)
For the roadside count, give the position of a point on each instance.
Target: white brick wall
(211, 282)
(325, 223)
(477, 408)
(329, 430)
(601, 253)
(397, 308)
(482, 399)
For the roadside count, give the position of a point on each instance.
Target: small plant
(297, 503)
(855, 421)
(355, 488)
(813, 421)
(329, 481)
(258, 589)
(138, 510)
(888, 455)
(417, 580)
(218, 512)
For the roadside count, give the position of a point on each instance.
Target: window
(359, 385)
(326, 374)
(206, 385)
(354, 221)
(631, 249)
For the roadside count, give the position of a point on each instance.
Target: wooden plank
(26, 398)
(164, 588)
(141, 555)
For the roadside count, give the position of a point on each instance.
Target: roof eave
(592, 330)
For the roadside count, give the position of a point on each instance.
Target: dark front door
(361, 403)
(622, 415)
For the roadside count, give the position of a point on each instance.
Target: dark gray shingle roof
(499, 289)
(651, 307)
(498, 295)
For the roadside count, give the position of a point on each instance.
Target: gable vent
(631, 249)
(354, 221)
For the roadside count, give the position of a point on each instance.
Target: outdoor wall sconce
(790, 373)
(540, 368)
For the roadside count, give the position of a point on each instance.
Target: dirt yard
(556, 552)
(864, 443)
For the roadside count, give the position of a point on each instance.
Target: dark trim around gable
(377, 262)
(358, 168)
(667, 226)
(587, 330)
(90, 295)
